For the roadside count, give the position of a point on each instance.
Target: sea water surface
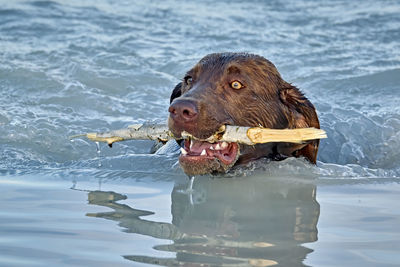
(69, 67)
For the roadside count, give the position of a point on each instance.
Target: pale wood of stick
(237, 134)
(262, 135)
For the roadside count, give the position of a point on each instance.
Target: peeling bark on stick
(238, 134)
(159, 132)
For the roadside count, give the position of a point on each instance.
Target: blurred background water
(68, 67)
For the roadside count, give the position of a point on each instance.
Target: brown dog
(237, 89)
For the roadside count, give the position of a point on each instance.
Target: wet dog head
(236, 89)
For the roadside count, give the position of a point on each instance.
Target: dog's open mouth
(196, 151)
(202, 156)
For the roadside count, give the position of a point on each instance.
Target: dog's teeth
(224, 145)
(183, 151)
(217, 147)
(191, 144)
(203, 153)
(211, 148)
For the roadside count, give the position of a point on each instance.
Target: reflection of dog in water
(260, 223)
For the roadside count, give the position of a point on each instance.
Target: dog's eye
(236, 85)
(188, 80)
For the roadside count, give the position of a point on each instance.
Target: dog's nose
(183, 109)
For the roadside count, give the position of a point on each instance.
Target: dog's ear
(295, 100)
(303, 115)
(177, 92)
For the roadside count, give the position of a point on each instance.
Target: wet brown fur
(266, 100)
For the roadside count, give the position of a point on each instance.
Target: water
(68, 67)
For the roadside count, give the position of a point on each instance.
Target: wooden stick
(158, 132)
(237, 134)
(259, 135)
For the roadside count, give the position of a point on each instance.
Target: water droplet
(98, 153)
(191, 180)
(98, 147)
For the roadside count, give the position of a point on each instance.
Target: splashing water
(84, 73)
